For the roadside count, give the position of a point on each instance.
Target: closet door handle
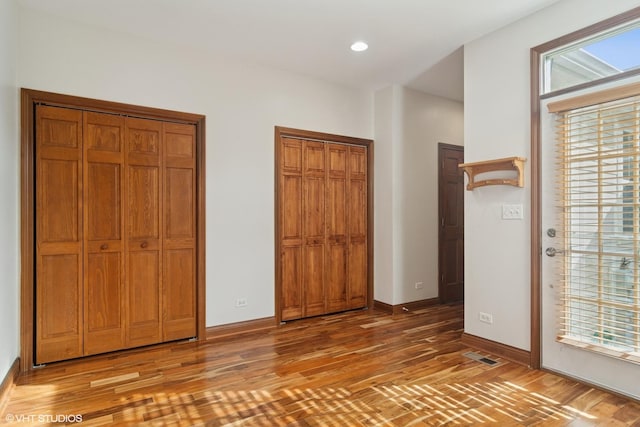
(144, 245)
(104, 246)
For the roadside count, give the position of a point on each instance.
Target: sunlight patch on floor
(458, 403)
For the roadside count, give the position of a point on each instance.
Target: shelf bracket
(510, 164)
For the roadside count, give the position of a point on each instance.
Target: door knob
(553, 252)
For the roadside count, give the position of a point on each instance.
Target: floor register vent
(480, 358)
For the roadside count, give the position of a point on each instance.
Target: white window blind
(599, 188)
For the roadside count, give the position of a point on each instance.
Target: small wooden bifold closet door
(337, 225)
(115, 232)
(313, 241)
(322, 227)
(357, 243)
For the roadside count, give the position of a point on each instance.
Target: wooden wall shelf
(507, 164)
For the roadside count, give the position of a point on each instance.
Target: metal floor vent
(475, 356)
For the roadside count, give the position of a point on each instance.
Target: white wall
(387, 131)
(408, 127)
(497, 124)
(427, 120)
(242, 104)
(9, 185)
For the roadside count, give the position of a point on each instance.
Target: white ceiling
(412, 42)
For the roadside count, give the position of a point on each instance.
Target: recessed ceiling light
(359, 46)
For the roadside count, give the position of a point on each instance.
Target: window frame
(614, 31)
(535, 354)
(592, 31)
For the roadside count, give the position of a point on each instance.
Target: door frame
(282, 132)
(536, 149)
(29, 99)
(441, 147)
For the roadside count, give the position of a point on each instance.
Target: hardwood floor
(352, 369)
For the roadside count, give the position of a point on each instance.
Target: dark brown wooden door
(451, 217)
(59, 234)
(179, 244)
(104, 320)
(143, 219)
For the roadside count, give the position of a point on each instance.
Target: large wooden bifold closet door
(323, 227)
(115, 232)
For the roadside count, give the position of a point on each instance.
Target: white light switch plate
(512, 211)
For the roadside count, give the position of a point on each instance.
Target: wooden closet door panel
(143, 203)
(291, 192)
(291, 273)
(337, 212)
(357, 209)
(179, 202)
(291, 158)
(357, 283)
(291, 210)
(59, 307)
(179, 294)
(179, 237)
(357, 232)
(103, 204)
(143, 314)
(337, 278)
(314, 289)
(291, 229)
(58, 199)
(144, 141)
(357, 274)
(104, 319)
(314, 159)
(58, 195)
(358, 163)
(337, 193)
(180, 144)
(143, 218)
(314, 205)
(314, 227)
(337, 208)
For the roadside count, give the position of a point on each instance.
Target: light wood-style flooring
(351, 369)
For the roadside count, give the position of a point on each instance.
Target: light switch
(512, 211)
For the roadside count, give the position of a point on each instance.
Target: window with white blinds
(599, 188)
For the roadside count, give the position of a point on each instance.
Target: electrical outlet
(485, 317)
(512, 211)
(241, 302)
(419, 285)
